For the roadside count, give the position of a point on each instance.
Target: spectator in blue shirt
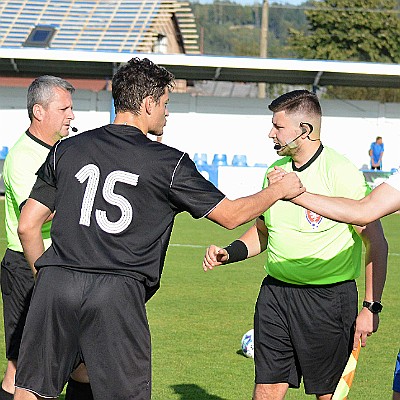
(376, 153)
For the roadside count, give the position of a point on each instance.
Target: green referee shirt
(303, 247)
(19, 174)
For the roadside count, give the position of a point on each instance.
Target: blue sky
(251, 2)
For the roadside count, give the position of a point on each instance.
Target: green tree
(353, 30)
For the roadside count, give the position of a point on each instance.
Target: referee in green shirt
(306, 319)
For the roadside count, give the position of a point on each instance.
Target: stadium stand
(102, 25)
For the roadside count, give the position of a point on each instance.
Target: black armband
(237, 251)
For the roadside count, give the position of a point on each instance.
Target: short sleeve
(348, 181)
(44, 193)
(191, 192)
(20, 179)
(44, 189)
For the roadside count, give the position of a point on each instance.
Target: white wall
(240, 126)
(207, 133)
(218, 133)
(230, 125)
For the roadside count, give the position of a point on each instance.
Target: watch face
(376, 307)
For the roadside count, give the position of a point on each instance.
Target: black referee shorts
(98, 318)
(16, 289)
(304, 332)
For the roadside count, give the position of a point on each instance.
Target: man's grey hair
(41, 91)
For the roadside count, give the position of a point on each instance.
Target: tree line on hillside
(346, 30)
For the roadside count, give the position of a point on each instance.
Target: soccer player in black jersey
(116, 194)
(50, 111)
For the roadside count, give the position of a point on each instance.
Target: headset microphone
(74, 129)
(278, 146)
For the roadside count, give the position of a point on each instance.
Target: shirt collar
(310, 161)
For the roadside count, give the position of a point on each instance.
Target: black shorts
(16, 287)
(98, 318)
(304, 331)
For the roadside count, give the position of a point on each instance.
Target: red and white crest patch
(313, 218)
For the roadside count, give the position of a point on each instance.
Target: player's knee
(80, 374)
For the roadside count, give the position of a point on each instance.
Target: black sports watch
(374, 306)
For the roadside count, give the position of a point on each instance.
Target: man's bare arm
(33, 216)
(376, 253)
(233, 213)
(383, 200)
(255, 239)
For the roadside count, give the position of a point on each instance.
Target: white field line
(194, 246)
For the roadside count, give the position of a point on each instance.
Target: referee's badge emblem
(313, 218)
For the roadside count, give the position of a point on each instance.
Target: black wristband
(237, 251)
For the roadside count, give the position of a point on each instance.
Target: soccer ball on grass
(248, 343)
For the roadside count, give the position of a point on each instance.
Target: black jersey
(116, 194)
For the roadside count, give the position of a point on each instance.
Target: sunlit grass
(197, 320)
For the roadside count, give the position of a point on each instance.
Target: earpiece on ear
(303, 131)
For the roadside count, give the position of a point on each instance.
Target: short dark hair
(41, 91)
(136, 80)
(297, 101)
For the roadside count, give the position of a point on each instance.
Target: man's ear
(38, 112)
(149, 104)
(306, 127)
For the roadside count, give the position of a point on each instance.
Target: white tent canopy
(28, 62)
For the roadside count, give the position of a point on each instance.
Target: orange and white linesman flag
(343, 387)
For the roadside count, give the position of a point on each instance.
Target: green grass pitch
(197, 320)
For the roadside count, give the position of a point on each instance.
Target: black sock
(5, 395)
(77, 391)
